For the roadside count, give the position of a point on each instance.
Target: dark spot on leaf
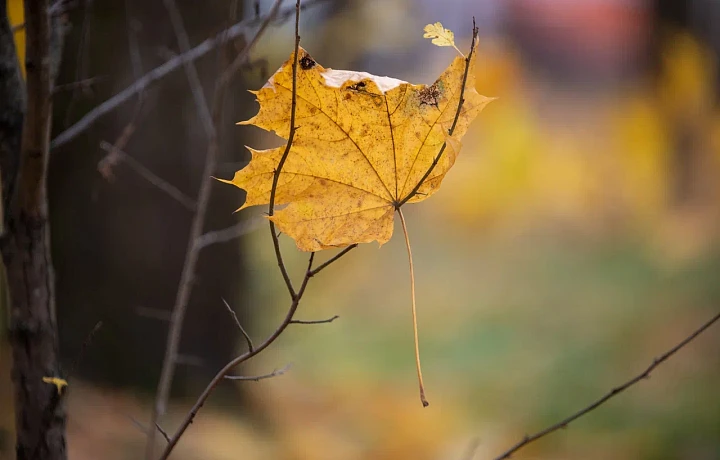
(307, 63)
(359, 86)
(430, 95)
(347, 96)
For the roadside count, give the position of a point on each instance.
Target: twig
(193, 250)
(162, 432)
(240, 359)
(144, 429)
(257, 378)
(612, 393)
(230, 233)
(296, 296)
(278, 170)
(323, 266)
(85, 83)
(461, 101)
(115, 154)
(237, 322)
(316, 321)
(241, 28)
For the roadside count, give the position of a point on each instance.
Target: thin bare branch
(257, 378)
(317, 321)
(190, 71)
(230, 233)
(278, 170)
(454, 124)
(238, 360)
(612, 393)
(250, 345)
(162, 432)
(241, 28)
(193, 251)
(116, 154)
(145, 430)
(295, 296)
(332, 259)
(84, 84)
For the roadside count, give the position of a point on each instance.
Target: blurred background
(576, 238)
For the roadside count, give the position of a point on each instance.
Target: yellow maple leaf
(362, 145)
(440, 36)
(361, 148)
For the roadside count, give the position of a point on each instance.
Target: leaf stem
(424, 401)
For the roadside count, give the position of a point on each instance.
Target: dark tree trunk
(39, 412)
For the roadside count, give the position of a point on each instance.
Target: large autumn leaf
(363, 146)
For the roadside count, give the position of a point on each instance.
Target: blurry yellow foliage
(687, 79)
(16, 15)
(532, 158)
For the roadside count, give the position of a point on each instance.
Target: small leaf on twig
(441, 36)
(59, 383)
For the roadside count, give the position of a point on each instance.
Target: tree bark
(39, 408)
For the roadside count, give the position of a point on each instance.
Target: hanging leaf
(363, 144)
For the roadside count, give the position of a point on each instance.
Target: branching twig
(251, 347)
(240, 359)
(317, 321)
(257, 378)
(612, 393)
(241, 28)
(193, 250)
(333, 259)
(296, 296)
(461, 101)
(162, 432)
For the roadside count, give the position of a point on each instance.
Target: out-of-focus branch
(611, 394)
(230, 233)
(193, 250)
(241, 28)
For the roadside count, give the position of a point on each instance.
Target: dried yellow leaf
(440, 36)
(362, 144)
(59, 383)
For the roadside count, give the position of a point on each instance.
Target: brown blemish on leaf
(430, 95)
(307, 63)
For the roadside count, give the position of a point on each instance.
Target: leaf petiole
(424, 401)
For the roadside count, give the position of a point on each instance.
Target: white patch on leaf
(337, 78)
